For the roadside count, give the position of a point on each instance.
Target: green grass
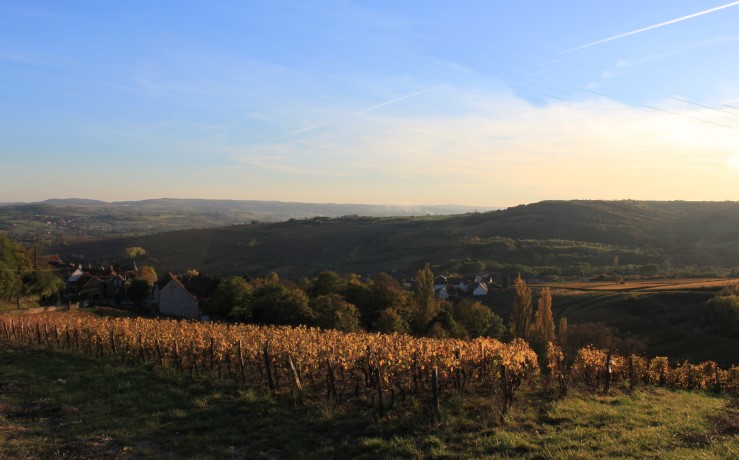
(56, 405)
(25, 304)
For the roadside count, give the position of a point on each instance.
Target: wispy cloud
(563, 150)
(652, 27)
(354, 114)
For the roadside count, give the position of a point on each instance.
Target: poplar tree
(425, 298)
(563, 332)
(521, 312)
(543, 329)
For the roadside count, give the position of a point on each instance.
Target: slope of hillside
(55, 405)
(568, 237)
(669, 323)
(57, 221)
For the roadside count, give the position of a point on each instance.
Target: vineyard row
(381, 367)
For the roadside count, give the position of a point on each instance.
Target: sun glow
(732, 161)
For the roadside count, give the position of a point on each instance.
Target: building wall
(173, 300)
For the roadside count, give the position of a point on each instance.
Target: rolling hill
(571, 238)
(558, 237)
(58, 221)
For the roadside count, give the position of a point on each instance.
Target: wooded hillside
(554, 237)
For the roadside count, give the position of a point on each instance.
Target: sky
(481, 103)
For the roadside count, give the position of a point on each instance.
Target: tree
(10, 281)
(521, 312)
(13, 261)
(478, 320)
(721, 314)
(333, 312)
(134, 251)
(148, 274)
(542, 331)
(276, 303)
(232, 297)
(425, 299)
(42, 284)
(443, 325)
(390, 321)
(386, 292)
(562, 331)
(328, 282)
(139, 290)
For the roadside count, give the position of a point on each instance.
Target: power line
(704, 106)
(692, 118)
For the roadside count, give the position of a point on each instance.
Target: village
(183, 295)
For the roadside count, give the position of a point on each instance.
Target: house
(461, 285)
(483, 278)
(90, 288)
(76, 275)
(173, 299)
(440, 282)
(480, 289)
(96, 285)
(442, 294)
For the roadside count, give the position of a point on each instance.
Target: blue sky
(468, 102)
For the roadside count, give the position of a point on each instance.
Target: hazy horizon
(472, 103)
(239, 199)
(337, 203)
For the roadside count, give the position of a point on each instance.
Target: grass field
(11, 306)
(55, 405)
(669, 319)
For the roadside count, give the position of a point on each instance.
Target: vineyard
(382, 368)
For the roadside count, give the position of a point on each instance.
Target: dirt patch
(9, 388)
(91, 447)
(727, 420)
(38, 410)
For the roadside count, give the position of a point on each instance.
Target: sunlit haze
(473, 102)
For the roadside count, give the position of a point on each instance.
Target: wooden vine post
(378, 384)
(294, 372)
(435, 412)
(268, 368)
(176, 353)
(240, 358)
(112, 344)
(330, 382)
(506, 384)
(608, 373)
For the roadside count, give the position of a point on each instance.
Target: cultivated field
(676, 284)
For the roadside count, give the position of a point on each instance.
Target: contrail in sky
(360, 112)
(655, 26)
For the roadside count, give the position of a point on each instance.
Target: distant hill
(273, 211)
(557, 237)
(57, 221)
(73, 202)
